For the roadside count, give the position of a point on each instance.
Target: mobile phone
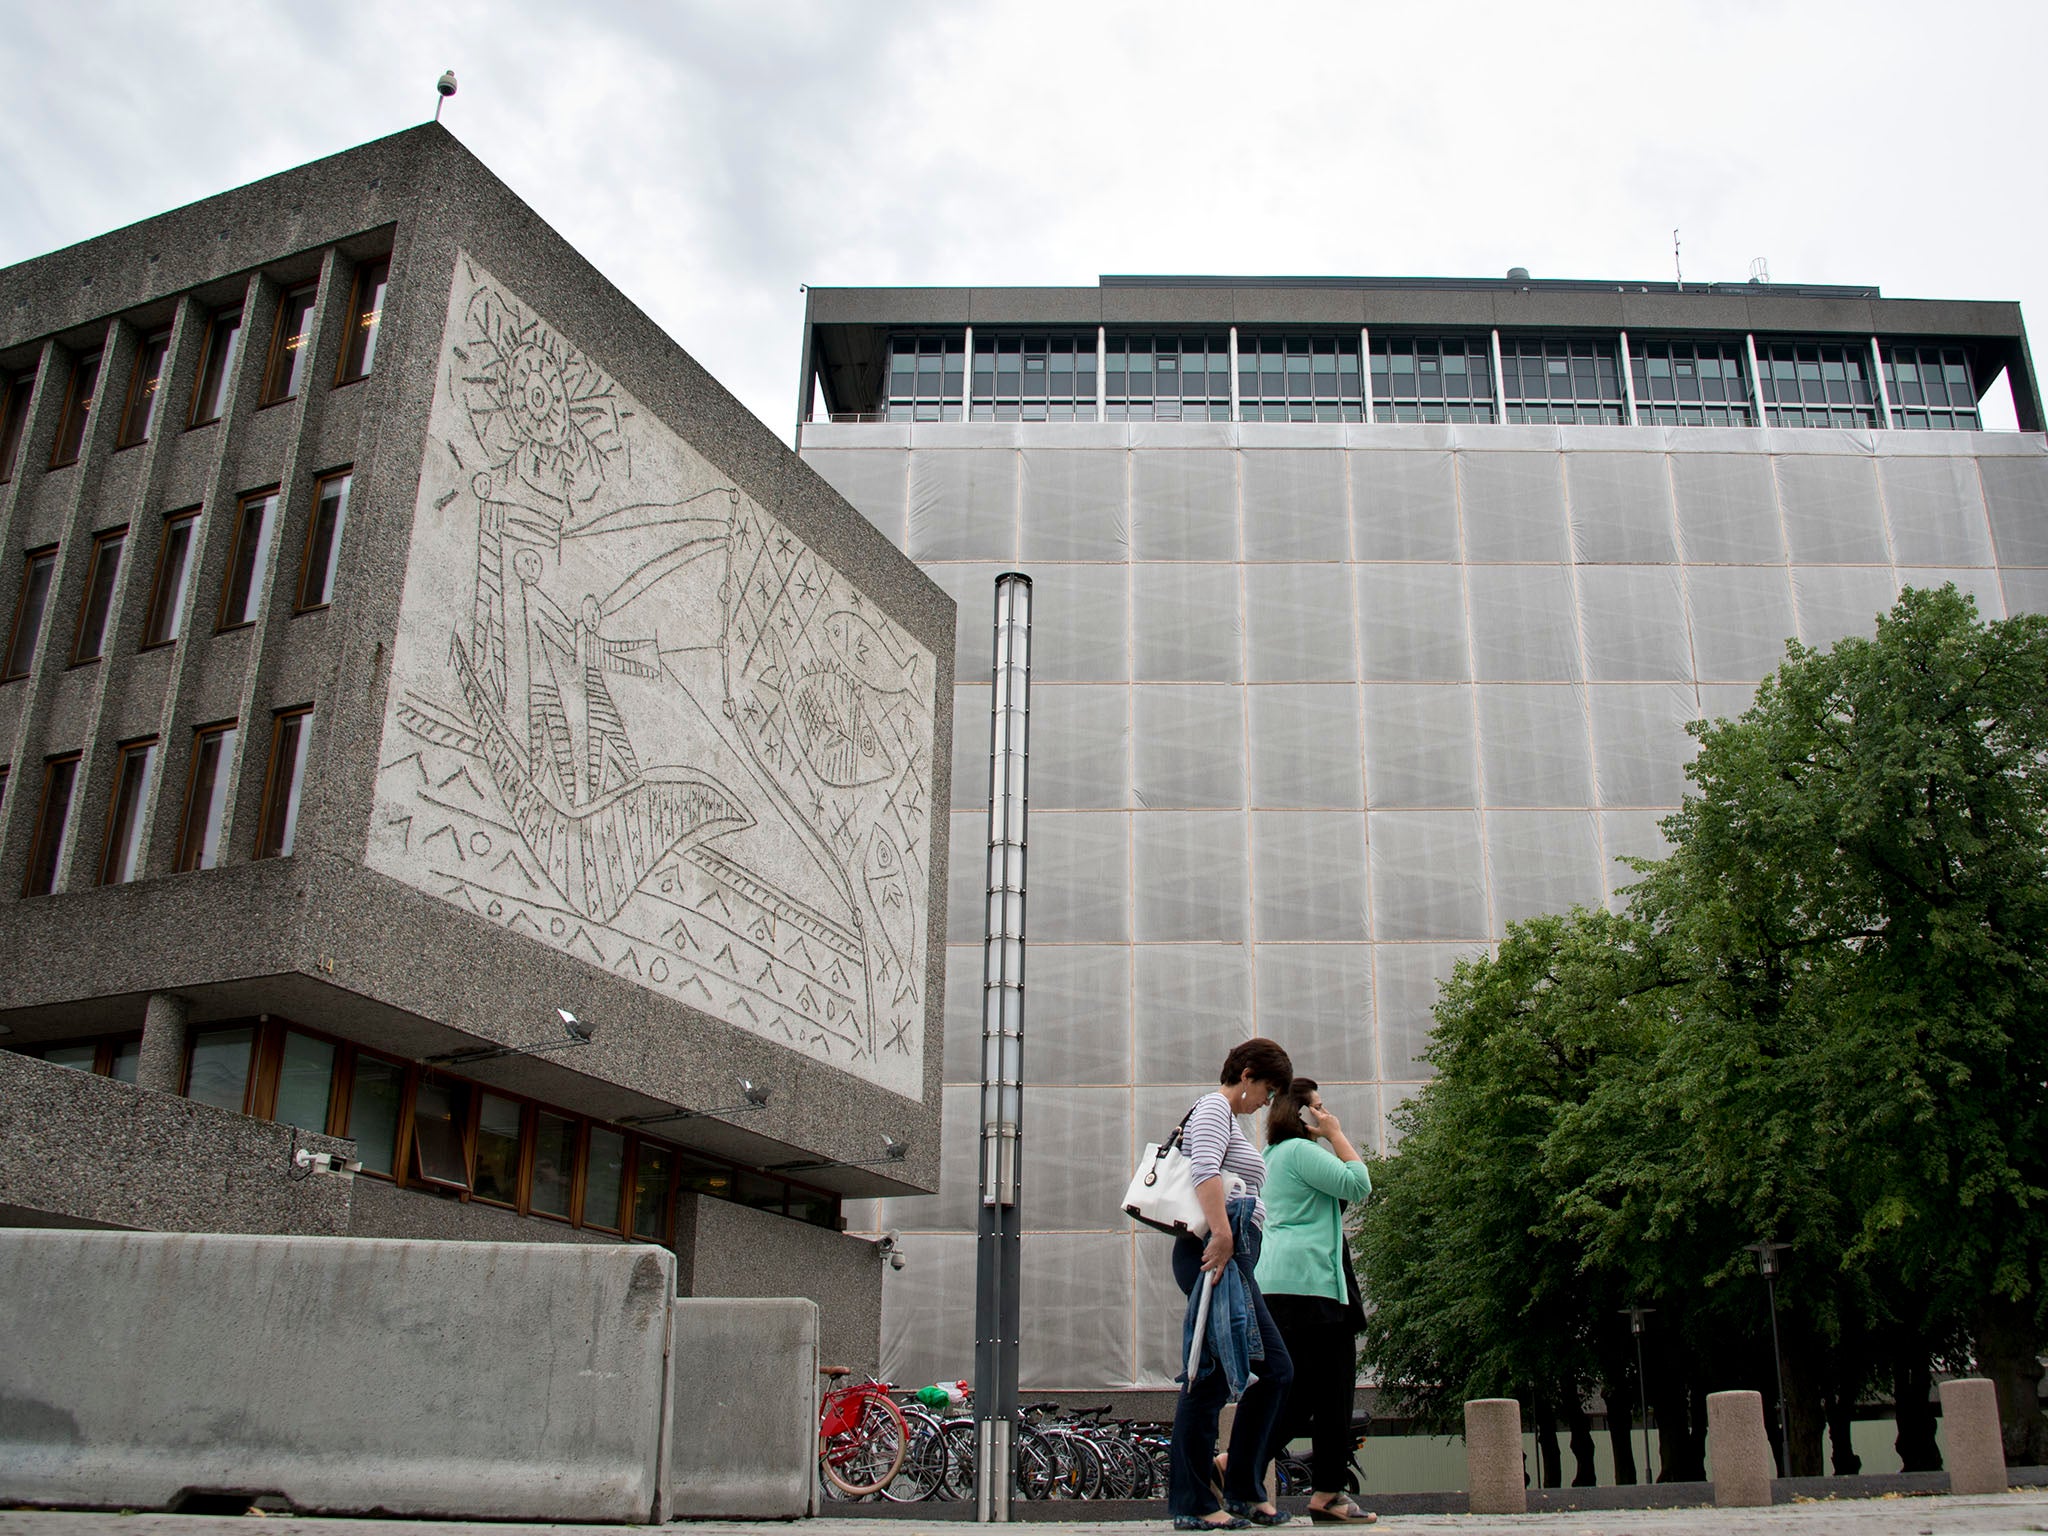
(1309, 1117)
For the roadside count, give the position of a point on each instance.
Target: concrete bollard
(1739, 1449)
(1976, 1448)
(1493, 1457)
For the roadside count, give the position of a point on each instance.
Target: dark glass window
(440, 1121)
(1931, 388)
(927, 377)
(365, 320)
(497, 1149)
(13, 418)
(376, 1093)
(305, 1081)
(289, 345)
(1033, 378)
(53, 826)
(173, 574)
(206, 797)
(653, 1183)
(1562, 380)
(85, 380)
(1166, 378)
(1299, 378)
(121, 860)
(79, 1058)
(1816, 383)
(138, 416)
(255, 517)
(127, 1057)
(1432, 378)
(289, 735)
(554, 1164)
(36, 576)
(604, 1179)
(101, 575)
(217, 366)
(1690, 383)
(217, 1072)
(323, 540)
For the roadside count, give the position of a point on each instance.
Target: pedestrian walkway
(2007, 1514)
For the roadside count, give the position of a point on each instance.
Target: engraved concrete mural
(632, 716)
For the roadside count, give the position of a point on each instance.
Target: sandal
(1342, 1513)
(1256, 1515)
(1197, 1523)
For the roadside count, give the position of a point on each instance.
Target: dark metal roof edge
(1491, 285)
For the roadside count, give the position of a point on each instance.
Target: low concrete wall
(733, 1250)
(494, 1380)
(76, 1149)
(743, 1379)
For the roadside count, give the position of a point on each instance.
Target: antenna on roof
(1759, 271)
(1677, 265)
(446, 86)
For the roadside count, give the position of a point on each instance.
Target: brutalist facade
(1369, 616)
(445, 731)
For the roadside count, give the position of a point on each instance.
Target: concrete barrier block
(492, 1380)
(1493, 1457)
(743, 1382)
(1976, 1447)
(1738, 1450)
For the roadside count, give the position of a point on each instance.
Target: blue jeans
(1258, 1411)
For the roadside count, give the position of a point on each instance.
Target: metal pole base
(994, 1475)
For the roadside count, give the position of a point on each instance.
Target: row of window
(1421, 378)
(205, 804)
(256, 515)
(430, 1130)
(283, 372)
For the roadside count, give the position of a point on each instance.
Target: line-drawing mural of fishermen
(635, 717)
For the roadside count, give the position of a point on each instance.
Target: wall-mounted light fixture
(574, 1033)
(753, 1096)
(893, 1151)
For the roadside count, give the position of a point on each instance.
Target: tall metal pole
(999, 1243)
(1767, 1264)
(1635, 1325)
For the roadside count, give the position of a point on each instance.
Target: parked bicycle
(862, 1435)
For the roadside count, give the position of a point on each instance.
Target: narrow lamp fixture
(753, 1096)
(893, 1151)
(574, 1033)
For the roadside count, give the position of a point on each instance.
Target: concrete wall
(76, 1149)
(496, 1381)
(738, 1252)
(743, 1378)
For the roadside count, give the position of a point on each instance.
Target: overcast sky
(709, 158)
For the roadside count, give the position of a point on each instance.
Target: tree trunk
(1681, 1429)
(1805, 1417)
(1912, 1381)
(1620, 1436)
(1585, 1468)
(1841, 1436)
(2008, 1351)
(1549, 1464)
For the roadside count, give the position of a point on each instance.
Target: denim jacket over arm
(1232, 1340)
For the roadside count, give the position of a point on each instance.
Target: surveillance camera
(895, 1261)
(446, 84)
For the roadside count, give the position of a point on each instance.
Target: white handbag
(1162, 1192)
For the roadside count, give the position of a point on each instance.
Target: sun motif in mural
(543, 412)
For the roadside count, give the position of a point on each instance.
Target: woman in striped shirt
(1227, 1172)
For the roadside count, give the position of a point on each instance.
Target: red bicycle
(861, 1434)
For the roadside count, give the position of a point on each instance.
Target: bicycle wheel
(958, 1481)
(1038, 1464)
(861, 1458)
(924, 1460)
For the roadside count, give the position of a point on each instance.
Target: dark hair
(1264, 1059)
(1283, 1115)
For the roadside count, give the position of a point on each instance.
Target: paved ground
(2009, 1514)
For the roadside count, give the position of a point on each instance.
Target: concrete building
(1370, 614)
(442, 729)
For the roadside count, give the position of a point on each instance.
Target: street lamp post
(1635, 1315)
(1768, 1266)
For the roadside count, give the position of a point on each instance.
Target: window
(217, 1067)
(1167, 378)
(1432, 378)
(79, 1058)
(1299, 378)
(927, 377)
(13, 418)
(101, 574)
(123, 1058)
(138, 417)
(254, 516)
(305, 1082)
(1683, 383)
(604, 1179)
(28, 613)
(1816, 384)
(554, 1165)
(85, 378)
(1562, 381)
(497, 1149)
(290, 732)
(121, 860)
(1034, 378)
(206, 797)
(653, 1182)
(217, 366)
(323, 540)
(53, 826)
(376, 1094)
(439, 1119)
(289, 344)
(365, 320)
(1931, 389)
(173, 574)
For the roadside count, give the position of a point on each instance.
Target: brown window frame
(149, 391)
(105, 1049)
(303, 715)
(100, 541)
(15, 392)
(346, 474)
(189, 519)
(39, 839)
(275, 390)
(225, 769)
(147, 745)
(252, 600)
(230, 315)
(8, 671)
(75, 415)
(342, 376)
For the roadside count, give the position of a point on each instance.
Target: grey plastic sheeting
(1316, 712)
(490, 1380)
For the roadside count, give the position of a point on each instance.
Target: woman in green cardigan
(1305, 1274)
